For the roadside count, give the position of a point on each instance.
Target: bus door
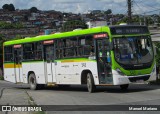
(103, 61)
(18, 63)
(49, 63)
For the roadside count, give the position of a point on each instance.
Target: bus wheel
(124, 87)
(32, 82)
(90, 83)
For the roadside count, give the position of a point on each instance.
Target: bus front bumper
(122, 79)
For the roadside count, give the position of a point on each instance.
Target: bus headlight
(119, 72)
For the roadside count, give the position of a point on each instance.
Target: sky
(83, 6)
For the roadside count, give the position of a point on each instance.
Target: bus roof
(58, 35)
(71, 33)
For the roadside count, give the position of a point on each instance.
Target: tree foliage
(33, 9)
(2, 39)
(157, 44)
(5, 25)
(9, 7)
(74, 24)
(109, 11)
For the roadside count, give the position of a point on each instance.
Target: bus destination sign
(129, 30)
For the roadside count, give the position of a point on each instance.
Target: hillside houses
(35, 23)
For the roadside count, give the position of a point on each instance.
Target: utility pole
(129, 4)
(145, 21)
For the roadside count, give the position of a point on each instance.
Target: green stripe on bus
(32, 61)
(81, 59)
(58, 35)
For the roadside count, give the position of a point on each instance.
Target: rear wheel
(90, 83)
(124, 87)
(32, 82)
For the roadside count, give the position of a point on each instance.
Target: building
(92, 24)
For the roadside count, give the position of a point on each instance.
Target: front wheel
(90, 83)
(124, 87)
(32, 82)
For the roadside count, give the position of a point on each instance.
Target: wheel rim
(32, 82)
(88, 82)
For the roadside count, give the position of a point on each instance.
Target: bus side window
(38, 50)
(70, 48)
(8, 54)
(80, 43)
(28, 51)
(59, 49)
(85, 45)
(89, 45)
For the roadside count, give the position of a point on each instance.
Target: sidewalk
(13, 96)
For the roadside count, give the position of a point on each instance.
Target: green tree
(74, 24)
(123, 20)
(5, 6)
(109, 11)
(18, 25)
(9, 7)
(2, 39)
(17, 37)
(33, 9)
(5, 25)
(157, 44)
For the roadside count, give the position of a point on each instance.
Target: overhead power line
(151, 11)
(141, 5)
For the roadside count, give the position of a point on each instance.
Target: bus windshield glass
(133, 50)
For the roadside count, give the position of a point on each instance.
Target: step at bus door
(18, 63)
(49, 63)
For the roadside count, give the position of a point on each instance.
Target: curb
(32, 103)
(30, 100)
(2, 92)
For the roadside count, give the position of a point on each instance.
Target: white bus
(116, 55)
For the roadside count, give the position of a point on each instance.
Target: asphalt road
(137, 94)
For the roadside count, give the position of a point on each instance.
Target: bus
(100, 56)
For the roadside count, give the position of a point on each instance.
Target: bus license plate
(140, 81)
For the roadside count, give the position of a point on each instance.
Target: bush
(1, 78)
(157, 44)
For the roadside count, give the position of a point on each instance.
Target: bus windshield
(133, 50)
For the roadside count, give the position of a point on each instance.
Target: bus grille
(134, 79)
